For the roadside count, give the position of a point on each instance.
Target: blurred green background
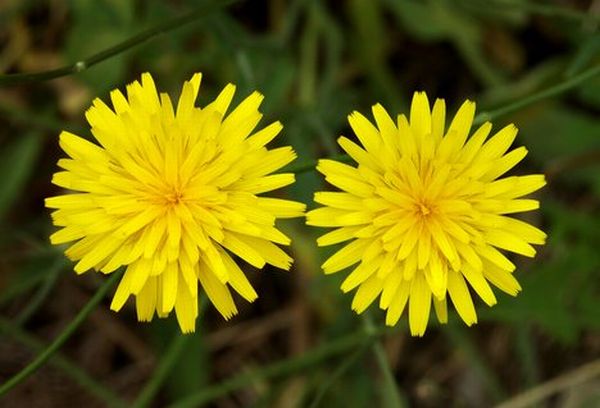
(315, 61)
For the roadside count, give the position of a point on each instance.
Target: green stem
(62, 338)
(117, 49)
(162, 371)
(70, 369)
(279, 369)
(393, 397)
(538, 96)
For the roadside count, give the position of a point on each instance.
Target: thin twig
(541, 392)
(117, 49)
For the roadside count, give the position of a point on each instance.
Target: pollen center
(174, 197)
(424, 210)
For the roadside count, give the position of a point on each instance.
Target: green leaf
(17, 161)
(554, 130)
(417, 19)
(555, 134)
(588, 51)
(560, 293)
(589, 93)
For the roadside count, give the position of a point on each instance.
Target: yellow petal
(441, 310)
(420, 115)
(169, 282)
(438, 120)
(366, 293)
(506, 240)
(365, 131)
(338, 235)
(238, 280)
(145, 301)
(459, 294)
(387, 128)
(419, 306)
(477, 280)
(398, 303)
(360, 274)
(345, 257)
(186, 309)
(217, 292)
(501, 278)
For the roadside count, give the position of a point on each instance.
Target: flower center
(174, 197)
(424, 209)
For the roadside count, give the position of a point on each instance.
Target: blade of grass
(63, 363)
(62, 337)
(126, 45)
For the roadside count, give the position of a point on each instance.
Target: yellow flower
(425, 211)
(171, 194)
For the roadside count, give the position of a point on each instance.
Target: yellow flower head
(425, 211)
(170, 194)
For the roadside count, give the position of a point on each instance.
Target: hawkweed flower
(171, 194)
(426, 211)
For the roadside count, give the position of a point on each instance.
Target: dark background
(315, 62)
